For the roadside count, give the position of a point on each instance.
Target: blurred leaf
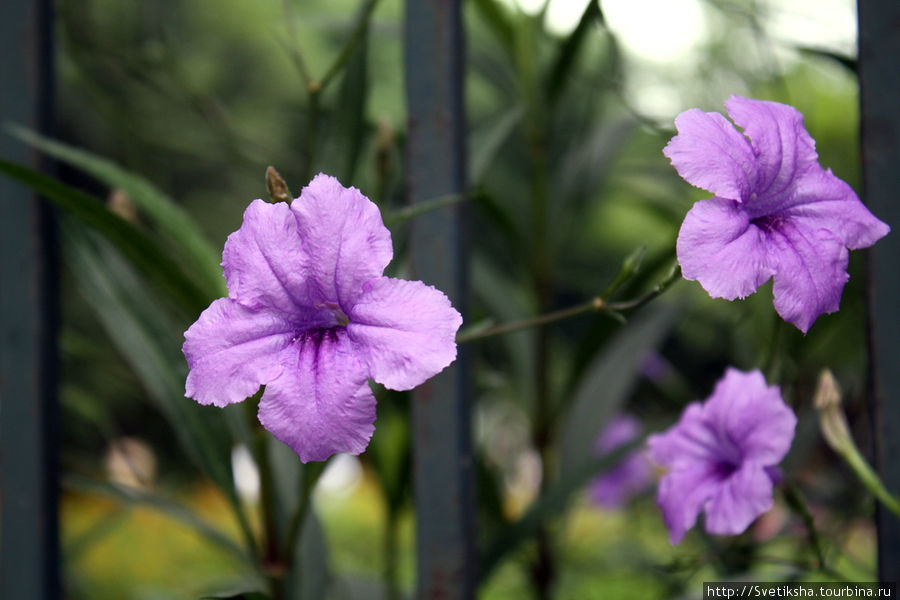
(145, 254)
(311, 572)
(171, 508)
(565, 61)
(238, 596)
(351, 108)
(495, 15)
(150, 341)
(390, 450)
(550, 504)
(848, 62)
(173, 221)
(606, 384)
(487, 141)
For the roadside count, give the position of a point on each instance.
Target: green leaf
(606, 383)
(150, 340)
(168, 217)
(171, 508)
(551, 503)
(570, 48)
(495, 15)
(486, 143)
(238, 596)
(351, 106)
(145, 254)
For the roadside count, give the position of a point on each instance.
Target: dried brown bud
(278, 189)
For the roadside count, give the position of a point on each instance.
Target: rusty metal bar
(436, 167)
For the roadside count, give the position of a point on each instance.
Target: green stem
(309, 475)
(423, 207)
(798, 503)
(594, 304)
(390, 555)
(356, 36)
(868, 477)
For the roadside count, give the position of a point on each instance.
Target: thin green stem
(294, 49)
(309, 476)
(423, 207)
(594, 304)
(391, 531)
(798, 504)
(359, 30)
(868, 477)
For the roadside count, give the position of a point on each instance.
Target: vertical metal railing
(28, 442)
(879, 78)
(433, 43)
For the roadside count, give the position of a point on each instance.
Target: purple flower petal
(739, 500)
(321, 404)
(709, 153)
(231, 351)
(722, 456)
(719, 247)
(811, 273)
(405, 331)
(783, 148)
(823, 201)
(683, 494)
(690, 441)
(756, 419)
(633, 472)
(264, 262)
(344, 239)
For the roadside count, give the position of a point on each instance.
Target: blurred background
(568, 104)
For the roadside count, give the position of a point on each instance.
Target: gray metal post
(879, 78)
(29, 547)
(436, 167)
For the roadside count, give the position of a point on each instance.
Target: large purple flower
(722, 455)
(631, 475)
(776, 211)
(310, 316)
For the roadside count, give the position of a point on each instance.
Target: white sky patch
(659, 31)
(823, 24)
(662, 40)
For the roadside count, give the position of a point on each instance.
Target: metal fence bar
(879, 78)
(28, 483)
(436, 167)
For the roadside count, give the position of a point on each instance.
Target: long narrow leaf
(171, 508)
(145, 254)
(173, 221)
(606, 384)
(548, 506)
(150, 342)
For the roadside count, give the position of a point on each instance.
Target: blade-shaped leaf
(150, 341)
(173, 221)
(549, 505)
(146, 255)
(606, 384)
(167, 506)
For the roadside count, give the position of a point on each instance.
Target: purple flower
(721, 456)
(776, 212)
(310, 316)
(631, 475)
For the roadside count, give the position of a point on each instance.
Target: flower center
(340, 317)
(768, 223)
(725, 469)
